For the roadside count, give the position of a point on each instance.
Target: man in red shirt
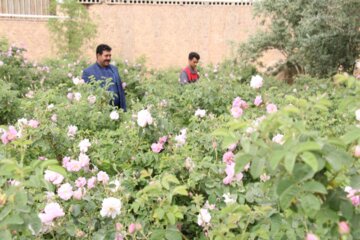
(190, 74)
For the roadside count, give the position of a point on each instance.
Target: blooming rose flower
(357, 114)
(156, 147)
(54, 118)
(264, 177)
(91, 99)
(144, 118)
(114, 115)
(189, 164)
(91, 182)
(258, 101)
(73, 166)
(84, 160)
(9, 135)
(33, 123)
(72, 131)
(84, 145)
(111, 207)
(357, 151)
(228, 157)
(200, 113)
(51, 211)
(236, 112)
(271, 108)
(204, 217)
(70, 96)
(228, 199)
(256, 82)
(80, 182)
(53, 177)
(343, 228)
(311, 236)
(79, 193)
(77, 96)
(279, 139)
(65, 191)
(103, 177)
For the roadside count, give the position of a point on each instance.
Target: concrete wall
(165, 34)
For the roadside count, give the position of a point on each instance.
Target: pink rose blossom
(231, 176)
(132, 228)
(162, 140)
(80, 182)
(102, 177)
(236, 112)
(271, 108)
(84, 160)
(9, 135)
(73, 166)
(228, 157)
(65, 191)
(258, 101)
(91, 182)
(70, 96)
(357, 151)
(54, 118)
(78, 194)
(51, 211)
(72, 131)
(53, 177)
(311, 236)
(343, 228)
(33, 123)
(65, 161)
(156, 147)
(232, 147)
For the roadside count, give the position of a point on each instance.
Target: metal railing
(25, 7)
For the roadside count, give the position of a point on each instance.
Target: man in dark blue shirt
(103, 70)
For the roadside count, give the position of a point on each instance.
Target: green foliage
(314, 36)
(75, 29)
(290, 188)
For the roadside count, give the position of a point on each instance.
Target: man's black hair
(101, 48)
(194, 55)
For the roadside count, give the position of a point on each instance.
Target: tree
(72, 31)
(315, 36)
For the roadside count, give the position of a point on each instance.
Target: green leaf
(355, 182)
(158, 234)
(172, 233)
(288, 195)
(275, 158)
(180, 190)
(337, 158)
(307, 146)
(159, 213)
(315, 187)
(352, 135)
(257, 167)
(58, 169)
(310, 159)
(4, 212)
(13, 219)
(241, 160)
(170, 216)
(289, 161)
(310, 204)
(5, 235)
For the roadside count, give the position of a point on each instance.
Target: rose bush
(182, 163)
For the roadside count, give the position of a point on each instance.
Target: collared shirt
(102, 74)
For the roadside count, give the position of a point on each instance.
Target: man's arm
(86, 76)
(122, 92)
(183, 78)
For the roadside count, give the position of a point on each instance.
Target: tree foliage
(315, 35)
(71, 32)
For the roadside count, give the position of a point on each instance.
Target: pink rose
(258, 101)
(132, 228)
(271, 108)
(80, 182)
(91, 182)
(156, 147)
(236, 112)
(343, 228)
(228, 157)
(102, 177)
(311, 236)
(357, 151)
(33, 123)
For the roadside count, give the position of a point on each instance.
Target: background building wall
(164, 34)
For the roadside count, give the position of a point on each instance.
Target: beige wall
(163, 33)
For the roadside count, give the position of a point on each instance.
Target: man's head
(193, 59)
(103, 55)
